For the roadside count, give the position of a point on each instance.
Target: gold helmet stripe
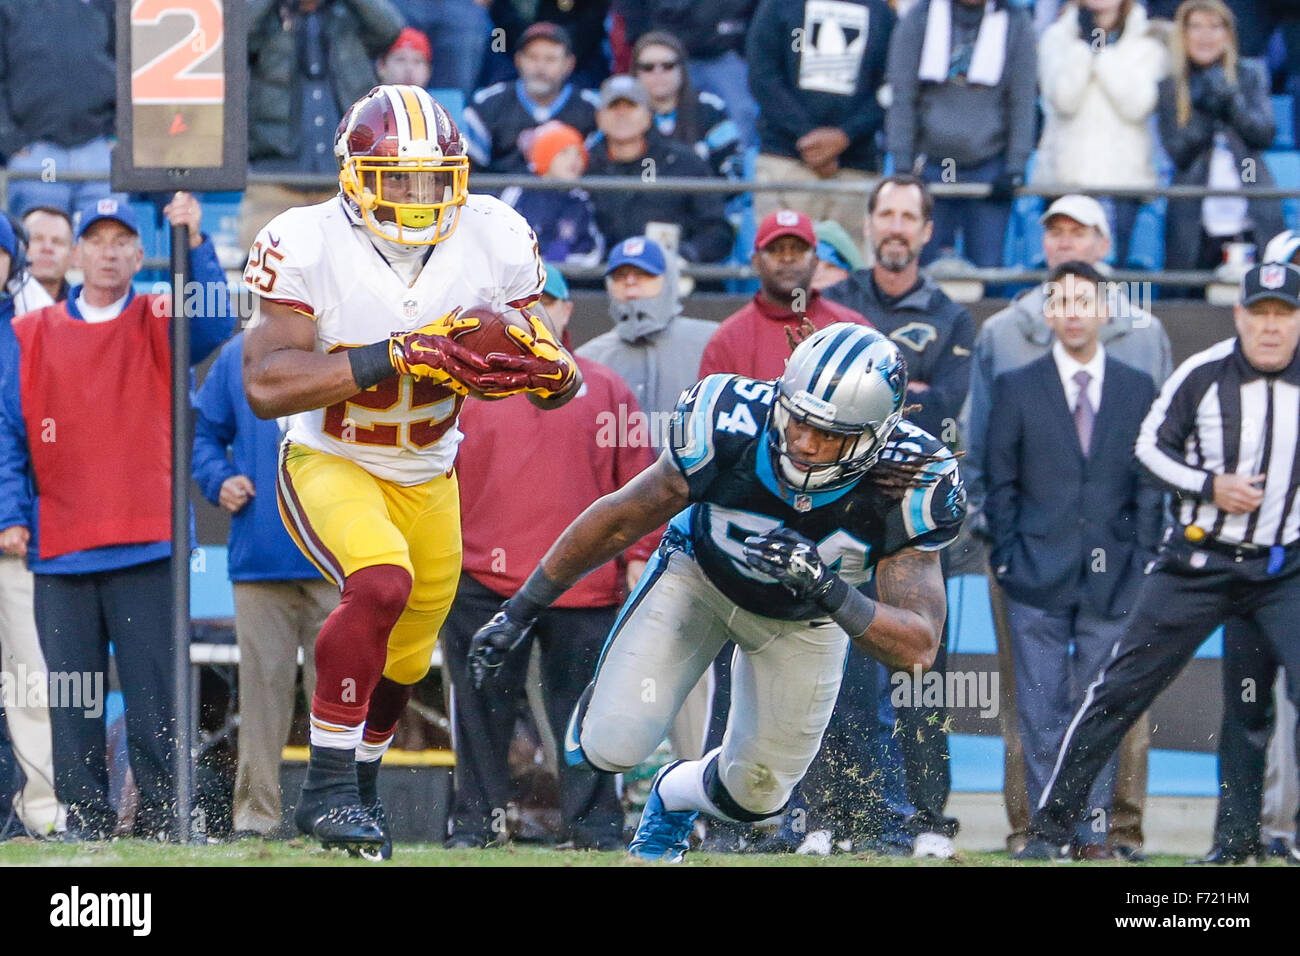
(415, 112)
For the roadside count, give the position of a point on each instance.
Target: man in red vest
(85, 492)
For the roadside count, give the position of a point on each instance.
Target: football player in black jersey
(784, 497)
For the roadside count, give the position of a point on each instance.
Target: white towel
(987, 59)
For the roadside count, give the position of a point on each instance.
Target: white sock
(682, 788)
(334, 736)
(368, 752)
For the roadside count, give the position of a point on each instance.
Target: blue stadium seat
(1285, 167)
(1284, 117)
(211, 595)
(453, 99)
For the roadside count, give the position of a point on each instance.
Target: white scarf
(988, 57)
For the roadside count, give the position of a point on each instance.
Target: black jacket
(1244, 114)
(707, 235)
(58, 82)
(799, 86)
(708, 28)
(1067, 528)
(936, 337)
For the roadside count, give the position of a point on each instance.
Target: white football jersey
(314, 259)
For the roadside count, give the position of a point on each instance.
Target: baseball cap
(556, 287)
(784, 222)
(543, 30)
(110, 207)
(640, 252)
(620, 86)
(412, 39)
(1282, 246)
(1082, 209)
(834, 244)
(1271, 280)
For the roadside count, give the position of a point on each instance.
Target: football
(491, 335)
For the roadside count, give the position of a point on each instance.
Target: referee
(1224, 434)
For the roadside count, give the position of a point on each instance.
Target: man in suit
(1071, 519)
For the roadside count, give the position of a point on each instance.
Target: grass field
(296, 853)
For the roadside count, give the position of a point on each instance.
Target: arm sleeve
(904, 85)
(214, 319)
(707, 236)
(929, 517)
(765, 49)
(214, 428)
(975, 433)
(1022, 93)
(1164, 432)
(951, 376)
(1130, 78)
(1251, 112)
(1182, 143)
(379, 21)
(15, 485)
(1002, 464)
(1065, 65)
(702, 435)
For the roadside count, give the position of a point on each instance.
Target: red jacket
(752, 341)
(525, 474)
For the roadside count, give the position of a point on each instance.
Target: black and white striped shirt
(1218, 415)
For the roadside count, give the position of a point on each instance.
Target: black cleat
(376, 811)
(1219, 856)
(368, 789)
(329, 806)
(1039, 848)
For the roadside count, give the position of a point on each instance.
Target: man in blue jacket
(281, 601)
(85, 417)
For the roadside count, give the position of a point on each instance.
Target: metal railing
(730, 187)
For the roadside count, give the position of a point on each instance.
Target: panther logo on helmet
(403, 166)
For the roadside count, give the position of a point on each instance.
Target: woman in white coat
(1099, 68)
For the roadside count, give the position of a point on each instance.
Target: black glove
(493, 641)
(1003, 188)
(793, 560)
(1216, 92)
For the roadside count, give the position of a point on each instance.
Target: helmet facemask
(412, 200)
(860, 446)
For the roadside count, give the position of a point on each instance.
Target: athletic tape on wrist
(538, 593)
(371, 364)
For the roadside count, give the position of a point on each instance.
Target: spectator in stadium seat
(35, 808)
(697, 118)
(1064, 487)
(1215, 122)
(818, 109)
(1076, 228)
(1100, 65)
(281, 599)
(500, 116)
(564, 222)
(574, 456)
(631, 146)
(49, 248)
(713, 32)
(307, 61)
(583, 24)
(86, 412)
(458, 31)
(408, 60)
(753, 340)
(838, 255)
(58, 99)
(962, 79)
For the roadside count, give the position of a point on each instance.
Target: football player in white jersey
(357, 300)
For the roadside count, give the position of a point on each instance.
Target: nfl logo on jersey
(410, 308)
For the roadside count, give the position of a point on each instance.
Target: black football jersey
(718, 439)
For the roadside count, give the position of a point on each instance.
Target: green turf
(296, 853)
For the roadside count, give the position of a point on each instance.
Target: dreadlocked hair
(896, 476)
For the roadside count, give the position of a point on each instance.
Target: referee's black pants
(483, 721)
(77, 616)
(1179, 607)
(1250, 666)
